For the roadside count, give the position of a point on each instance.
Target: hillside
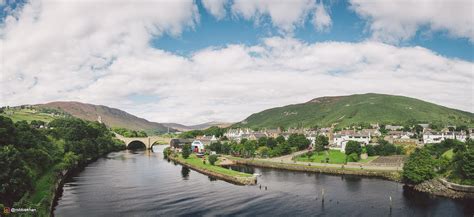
(203, 126)
(357, 109)
(110, 116)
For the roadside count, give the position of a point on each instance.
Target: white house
(342, 138)
(197, 146)
(437, 137)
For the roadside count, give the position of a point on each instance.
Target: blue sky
(347, 26)
(194, 61)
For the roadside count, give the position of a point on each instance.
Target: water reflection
(185, 173)
(133, 184)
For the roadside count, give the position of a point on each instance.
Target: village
(418, 136)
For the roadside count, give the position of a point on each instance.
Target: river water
(142, 183)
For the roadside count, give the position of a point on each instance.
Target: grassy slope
(27, 115)
(193, 160)
(364, 108)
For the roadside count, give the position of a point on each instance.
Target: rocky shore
(443, 188)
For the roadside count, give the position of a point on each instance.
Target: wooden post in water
(322, 195)
(390, 197)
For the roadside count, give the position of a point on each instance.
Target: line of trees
(130, 133)
(263, 147)
(429, 162)
(28, 152)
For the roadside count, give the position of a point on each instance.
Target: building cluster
(337, 139)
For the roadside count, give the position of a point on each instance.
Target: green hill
(358, 109)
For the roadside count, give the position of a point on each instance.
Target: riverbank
(62, 176)
(215, 171)
(388, 174)
(441, 187)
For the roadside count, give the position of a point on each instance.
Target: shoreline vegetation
(195, 163)
(37, 158)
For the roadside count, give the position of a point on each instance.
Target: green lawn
(449, 154)
(27, 115)
(335, 157)
(194, 160)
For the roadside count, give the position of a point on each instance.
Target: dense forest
(33, 155)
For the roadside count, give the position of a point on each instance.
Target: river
(142, 183)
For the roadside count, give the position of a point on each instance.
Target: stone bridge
(147, 141)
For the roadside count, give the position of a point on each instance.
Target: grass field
(335, 157)
(195, 161)
(27, 115)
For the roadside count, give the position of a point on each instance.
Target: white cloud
(321, 19)
(285, 15)
(79, 51)
(393, 21)
(215, 7)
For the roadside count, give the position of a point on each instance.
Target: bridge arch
(147, 141)
(136, 144)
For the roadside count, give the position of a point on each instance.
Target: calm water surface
(142, 183)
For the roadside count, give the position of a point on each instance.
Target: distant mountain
(110, 116)
(356, 109)
(203, 126)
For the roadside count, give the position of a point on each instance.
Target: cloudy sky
(216, 60)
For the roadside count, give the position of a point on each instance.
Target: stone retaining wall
(390, 175)
(457, 187)
(437, 187)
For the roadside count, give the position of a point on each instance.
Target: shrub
(353, 157)
(186, 151)
(167, 152)
(212, 159)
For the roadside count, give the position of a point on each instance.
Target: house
(207, 140)
(256, 135)
(393, 128)
(178, 144)
(437, 137)
(343, 137)
(197, 146)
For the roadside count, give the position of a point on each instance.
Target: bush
(167, 152)
(186, 151)
(353, 157)
(212, 159)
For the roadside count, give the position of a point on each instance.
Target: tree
(320, 143)
(15, 176)
(186, 151)
(212, 159)
(263, 151)
(418, 167)
(283, 148)
(370, 150)
(7, 131)
(299, 141)
(353, 147)
(271, 142)
(280, 139)
(262, 141)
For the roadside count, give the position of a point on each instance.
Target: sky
(191, 62)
